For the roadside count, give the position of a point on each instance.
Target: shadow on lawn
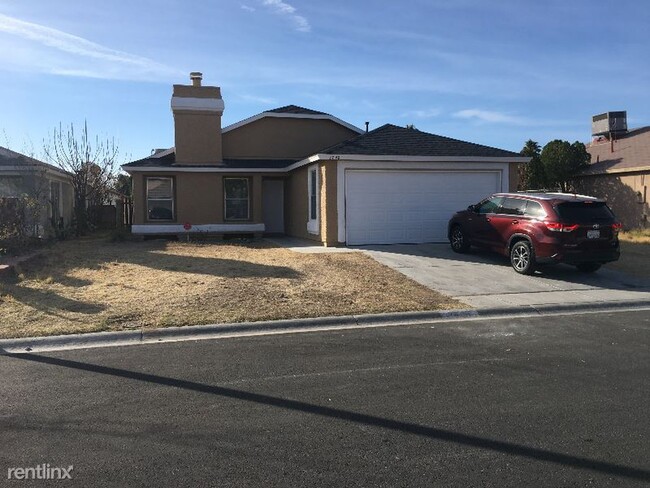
(49, 301)
(226, 268)
(149, 254)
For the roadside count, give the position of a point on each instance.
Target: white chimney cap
(196, 77)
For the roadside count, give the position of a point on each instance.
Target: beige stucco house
(620, 168)
(308, 174)
(46, 190)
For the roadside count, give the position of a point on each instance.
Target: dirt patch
(93, 285)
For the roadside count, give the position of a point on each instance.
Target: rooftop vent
(609, 123)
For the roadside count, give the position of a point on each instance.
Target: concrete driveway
(483, 279)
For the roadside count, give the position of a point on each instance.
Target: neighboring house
(44, 185)
(308, 174)
(620, 168)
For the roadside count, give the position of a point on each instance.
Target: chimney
(197, 113)
(196, 77)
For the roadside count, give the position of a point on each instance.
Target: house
(48, 189)
(620, 168)
(308, 174)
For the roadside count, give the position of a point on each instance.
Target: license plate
(593, 234)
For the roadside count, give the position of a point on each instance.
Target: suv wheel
(459, 242)
(588, 267)
(522, 257)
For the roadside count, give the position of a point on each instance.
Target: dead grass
(635, 253)
(93, 285)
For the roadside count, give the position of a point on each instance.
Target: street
(539, 401)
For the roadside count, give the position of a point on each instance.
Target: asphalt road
(544, 401)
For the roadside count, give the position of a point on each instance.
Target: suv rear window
(581, 212)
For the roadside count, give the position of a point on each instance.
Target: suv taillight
(617, 227)
(560, 227)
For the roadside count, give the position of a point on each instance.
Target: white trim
(425, 159)
(204, 169)
(406, 159)
(334, 157)
(179, 229)
(161, 154)
(201, 104)
(343, 166)
(40, 168)
(313, 225)
(280, 115)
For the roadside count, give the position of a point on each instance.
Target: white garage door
(388, 207)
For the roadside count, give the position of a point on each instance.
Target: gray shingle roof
(398, 141)
(13, 158)
(295, 109)
(169, 161)
(631, 151)
(389, 140)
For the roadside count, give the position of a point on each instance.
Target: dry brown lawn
(635, 253)
(92, 285)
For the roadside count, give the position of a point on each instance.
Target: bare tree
(90, 161)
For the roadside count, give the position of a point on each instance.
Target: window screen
(236, 198)
(160, 199)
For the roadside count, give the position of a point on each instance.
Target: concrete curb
(213, 331)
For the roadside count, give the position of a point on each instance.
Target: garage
(410, 206)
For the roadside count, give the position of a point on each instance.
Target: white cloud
(423, 114)
(248, 8)
(257, 99)
(281, 8)
(75, 56)
(489, 116)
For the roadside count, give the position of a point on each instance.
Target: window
(513, 206)
(237, 198)
(11, 186)
(580, 212)
(535, 210)
(489, 206)
(160, 198)
(312, 177)
(55, 199)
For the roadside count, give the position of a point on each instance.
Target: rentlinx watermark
(40, 472)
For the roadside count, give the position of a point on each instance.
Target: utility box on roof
(609, 123)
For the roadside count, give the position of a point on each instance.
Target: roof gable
(295, 109)
(399, 141)
(290, 111)
(16, 160)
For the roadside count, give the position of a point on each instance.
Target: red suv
(540, 228)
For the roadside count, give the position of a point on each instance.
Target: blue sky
(493, 72)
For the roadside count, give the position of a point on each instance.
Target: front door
(273, 206)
